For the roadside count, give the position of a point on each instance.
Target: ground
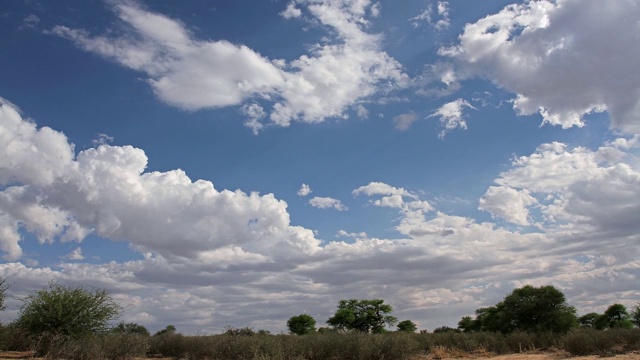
(525, 356)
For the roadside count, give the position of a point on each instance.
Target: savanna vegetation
(74, 322)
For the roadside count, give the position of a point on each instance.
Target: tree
(467, 324)
(616, 316)
(445, 329)
(407, 326)
(73, 311)
(302, 324)
(527, 309)
(367, 316)
(588, 320)
(170, 329)
(635, 315)
(130, 328)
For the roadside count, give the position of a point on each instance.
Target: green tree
(529, 309)
(445, 329)
(635, 315)
(467, 324)
(616, 316)
(407, 326)
(130, 328)
(73, 311)
(588, 320)
(302, 324)
(170, 329)
(367, 316)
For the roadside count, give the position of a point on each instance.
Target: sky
(236, 163)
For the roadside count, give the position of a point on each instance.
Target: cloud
(426, 15)
(539, 50)
(291, 11)
(106, 191)
(380, 188)
(211, 257)
(327, 203)
(402, 122)
(255, 113)
(578, 190)
(30, 22)
(304, 190)
(102, 139)
(508, 204)
(76, 254)
(351, 235)
(451, 115)
(195, 74)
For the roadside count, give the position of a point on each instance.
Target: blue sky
(450, 151)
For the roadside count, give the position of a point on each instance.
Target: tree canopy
(130, 328)
(407, 326)
(367, 316)
(531, 309)
(302, 324)
(73, 311)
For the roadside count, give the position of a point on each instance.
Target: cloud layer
(212, 258)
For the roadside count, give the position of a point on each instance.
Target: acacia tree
(302, 324)
(367, 316)
(616, 316)
(528, 309)
(407, 326)
(538, 309)
(588, 320)
(72, 311)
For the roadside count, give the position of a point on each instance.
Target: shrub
(72, 312)
(589, 342)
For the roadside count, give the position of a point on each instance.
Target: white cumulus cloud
(105, 190)
(544, 51)
(327, 203)
(195, 74)
(304, 190)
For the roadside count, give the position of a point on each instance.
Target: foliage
(407, 326)
(616, 316)
(73, 311)
(97, 346)
(367, 316)
(635, 315)
(302, 324)
(444, 329)
(467, 324)
(170, 329)
(588, 320)
(245, 331)
(528, 309)
(131, 328)
(3, 293)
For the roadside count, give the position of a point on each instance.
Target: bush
(97, 346)
(72, 312)
(589, 342)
